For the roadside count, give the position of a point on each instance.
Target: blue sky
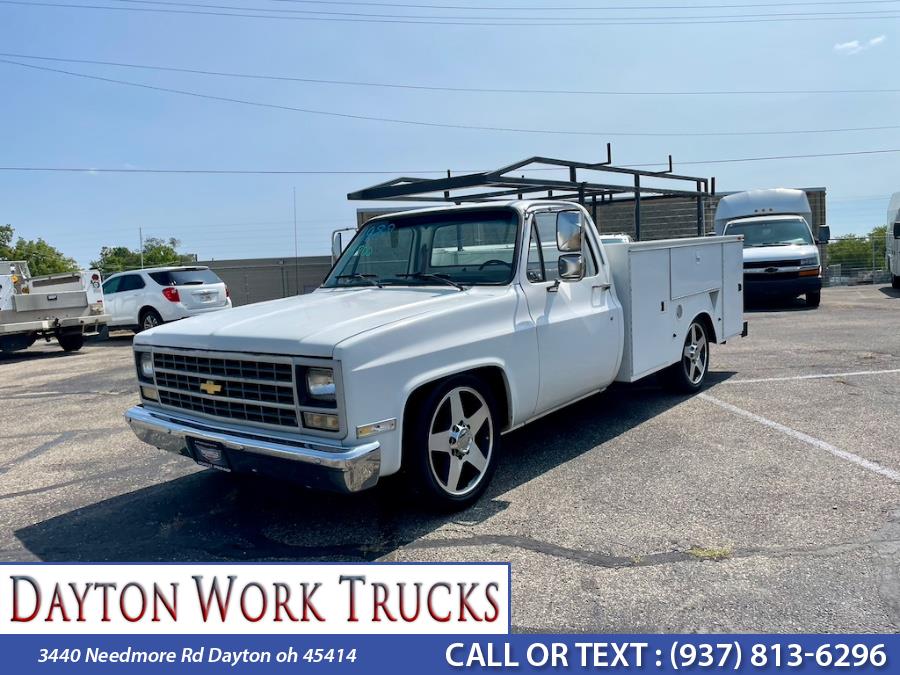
(50, 119)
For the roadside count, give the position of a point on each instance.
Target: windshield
(772, 233)
(459, 248)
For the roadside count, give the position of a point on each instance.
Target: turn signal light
(320, 421)
(171, 294)
(814, 272)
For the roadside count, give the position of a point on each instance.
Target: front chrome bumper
(309, 461)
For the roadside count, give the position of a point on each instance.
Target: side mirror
(568, 231)
(337, 245)
(571, 267)
(824, 234)
(897, 230)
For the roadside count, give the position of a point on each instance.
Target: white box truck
(893, 240)
(781, 258)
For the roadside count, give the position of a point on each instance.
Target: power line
(499, 8)
(500, 22)
(307, 12)
(478, 90)
(445, 125)
(304, 172)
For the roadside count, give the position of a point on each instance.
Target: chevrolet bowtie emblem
(211, 387)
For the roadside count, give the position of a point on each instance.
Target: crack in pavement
(55, 394)
(42, 448)
(597, 559)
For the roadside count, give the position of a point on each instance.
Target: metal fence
(854, 260)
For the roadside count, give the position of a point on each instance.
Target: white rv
(780, 253)
(893, 240)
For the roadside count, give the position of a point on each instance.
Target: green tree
(6, 236)
(42, 258)
(856, 252)
(157, 253)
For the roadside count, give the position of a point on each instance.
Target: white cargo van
(781, 258)
(893, 240)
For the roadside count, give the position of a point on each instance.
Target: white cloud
(855, 46)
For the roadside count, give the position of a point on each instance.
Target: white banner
(414, 598)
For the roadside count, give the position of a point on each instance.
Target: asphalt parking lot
(769, 503)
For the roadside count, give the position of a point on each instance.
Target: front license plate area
(209, 454)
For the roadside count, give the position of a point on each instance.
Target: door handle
(603, 287)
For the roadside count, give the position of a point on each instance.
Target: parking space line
(812, 377)
(874, 467)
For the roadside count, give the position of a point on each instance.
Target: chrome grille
(762, 264)
(260, 392)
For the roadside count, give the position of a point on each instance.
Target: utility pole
(296, 243)
(141, 236)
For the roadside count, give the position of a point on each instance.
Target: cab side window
(543, 254)
(111, 286)
(535, 269)
(131, 282)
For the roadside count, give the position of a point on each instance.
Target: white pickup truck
(63, 306)
(436, 332)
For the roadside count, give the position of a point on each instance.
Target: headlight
(320, 384)
(810, 262)
(147, 365)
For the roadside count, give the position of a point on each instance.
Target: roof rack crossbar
(446, 189)
(498, 185)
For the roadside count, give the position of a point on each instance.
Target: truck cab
(781, 258)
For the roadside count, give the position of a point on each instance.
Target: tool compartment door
(651, 311)
(733, 288)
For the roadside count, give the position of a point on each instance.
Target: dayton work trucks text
(436, 331)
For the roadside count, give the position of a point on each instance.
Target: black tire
(430, 468)
(70, 342)
(813, 298)
(895, 281)
(689, 374)
(149, 318)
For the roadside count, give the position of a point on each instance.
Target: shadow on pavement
(890, 292)
(752, 305)
(54, 351)
(213, 516)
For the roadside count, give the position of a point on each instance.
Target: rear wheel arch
(144, 311)
(708, 324)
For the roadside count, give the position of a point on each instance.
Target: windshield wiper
(371, 279)
(437, 277)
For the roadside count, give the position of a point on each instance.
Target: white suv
(142, 299)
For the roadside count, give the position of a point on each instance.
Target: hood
(793, 252)
(307, 325)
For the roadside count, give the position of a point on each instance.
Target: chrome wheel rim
(150, 322)
(460, 441)
(695, 355)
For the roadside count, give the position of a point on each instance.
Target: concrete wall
(258, 279)
(660, 218)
